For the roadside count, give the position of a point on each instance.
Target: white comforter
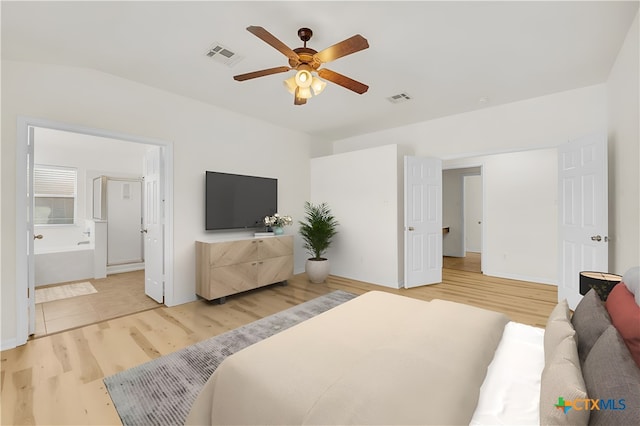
(377, 359)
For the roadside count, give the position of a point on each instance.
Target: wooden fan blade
(345, 47)
(343, 81)
(261, 73)
(298, 100)
(271, 40)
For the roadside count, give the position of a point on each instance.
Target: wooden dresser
(228, 267)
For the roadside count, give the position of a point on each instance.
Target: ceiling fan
(305, 61)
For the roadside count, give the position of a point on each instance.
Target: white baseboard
(520, 277)
(8, 344)
(128, 267)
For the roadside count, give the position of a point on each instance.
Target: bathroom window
(54, 190)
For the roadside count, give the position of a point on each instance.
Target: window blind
(54, 190)
(54, 181)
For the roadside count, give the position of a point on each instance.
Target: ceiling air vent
(400, 97)
(222, 54)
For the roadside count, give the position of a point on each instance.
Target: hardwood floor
(470, 263)
(57, 379)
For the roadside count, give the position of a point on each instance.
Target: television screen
(238, 201)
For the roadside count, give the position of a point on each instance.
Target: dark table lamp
(601, 282)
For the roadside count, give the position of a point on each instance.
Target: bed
(387, 359)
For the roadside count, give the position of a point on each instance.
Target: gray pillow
(562, 378)
(611, 374)
(590, 320)
(558, 328)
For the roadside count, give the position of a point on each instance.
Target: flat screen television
(238, 201)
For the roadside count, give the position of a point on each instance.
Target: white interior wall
(538, 123)
(361, 188)
(624, 155)
(520, 214)
(203, 137)
(533, 123)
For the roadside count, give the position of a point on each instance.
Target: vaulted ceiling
(448, 57)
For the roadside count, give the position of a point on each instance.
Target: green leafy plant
(318, 229)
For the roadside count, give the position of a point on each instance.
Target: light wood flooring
(470, 263)
(57, 379)
(118, 295)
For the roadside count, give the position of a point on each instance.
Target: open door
(162, 265)
(153, 225)
(31, 282)
(583, 213)
(423, 221)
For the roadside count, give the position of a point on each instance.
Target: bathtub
(61, 264)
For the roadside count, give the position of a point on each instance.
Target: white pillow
(631, 279)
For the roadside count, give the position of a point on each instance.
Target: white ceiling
(445, 55)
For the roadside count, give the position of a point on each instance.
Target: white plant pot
(317, 270)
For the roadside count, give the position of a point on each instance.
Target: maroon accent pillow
(625, 316)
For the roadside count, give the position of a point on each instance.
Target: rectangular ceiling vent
(400, 97)
(222, 54)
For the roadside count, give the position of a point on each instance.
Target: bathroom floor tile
(117, 295)
(67, 307)
(72, 321)
(40, 322)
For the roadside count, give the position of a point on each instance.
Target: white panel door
(153, 226)
(583, 213)
(31, 289)
(423, 221)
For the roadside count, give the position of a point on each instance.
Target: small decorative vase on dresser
(278, 230)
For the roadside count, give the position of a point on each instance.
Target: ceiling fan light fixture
(306, 62)
(304, 92)
(317, 85)
(303, 78)
(290, 84)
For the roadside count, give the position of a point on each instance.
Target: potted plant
(317, 231)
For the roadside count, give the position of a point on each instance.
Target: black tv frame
(237, 201)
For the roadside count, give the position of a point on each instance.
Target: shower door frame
(105, 195)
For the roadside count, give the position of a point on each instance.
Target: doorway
(75, 283)
(25, 283)
(462, 219)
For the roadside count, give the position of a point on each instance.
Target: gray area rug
(161, 392)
